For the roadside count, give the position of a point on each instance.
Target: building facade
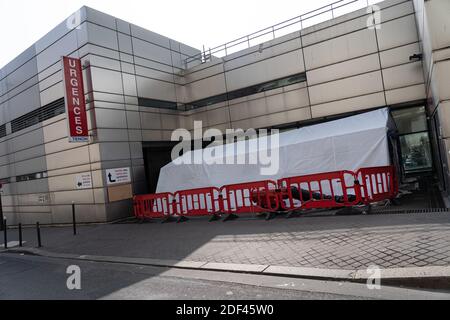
(140, 86)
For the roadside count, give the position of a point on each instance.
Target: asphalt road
(32, 277)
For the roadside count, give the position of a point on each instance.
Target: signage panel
(75, 101)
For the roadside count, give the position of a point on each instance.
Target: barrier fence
(316, 191)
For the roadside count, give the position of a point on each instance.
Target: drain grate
(408, 211)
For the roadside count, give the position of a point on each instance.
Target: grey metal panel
(24, 72)
(21, 88)
(106, 80)
(51, 94)
(346, 88)
(102, 36)
(23, 103)
(403, 75)
(405, 94)
(52, 54)
(102, 62)
(50, 81)
(94, 49)
(68, 158)
(136, 153)
(127, 68)
(19, 60)
(153, 64)
(107, 97)
(348, 105)
(151, 51)
(154, 74)
(59, 31)
(30, 166)
(439, 24)
(151, 120)
(114, 135)
(344, 69)
(388, 34)
(133, 120)
(123, 26)
(261, 52)
(322, 34)
(342, 48)
(108, 118)
(125, 44)
(187, 50)
(273, 68)
(129, 84)
(155, 89)
(397, 11)
(149, 36)
(29, 153)
(213, 85)
(114, 151)
(100, 18)
(398, 55)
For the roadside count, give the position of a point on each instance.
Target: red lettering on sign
(75, 101)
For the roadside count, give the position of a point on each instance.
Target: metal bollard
(20, 235)
(5, 233)
(74, 219)
(38, 230)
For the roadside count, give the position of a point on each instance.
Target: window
(32, 176)
(3, 130)
(266, 86)
(416, 153)
(36, 116)
(154, 103)
(414, 139)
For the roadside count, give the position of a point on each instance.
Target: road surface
(33, 277)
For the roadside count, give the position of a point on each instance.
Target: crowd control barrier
(315, 191)
(377, 184)
(324, 190)
(154, 206)
(198, 202)
(251, 197)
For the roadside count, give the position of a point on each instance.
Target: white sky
(195, 23)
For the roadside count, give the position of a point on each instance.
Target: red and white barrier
(377, 184)
(153, 206)
(323, 190)
(251, 197)
(197, 202)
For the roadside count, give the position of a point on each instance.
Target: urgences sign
(75, 101)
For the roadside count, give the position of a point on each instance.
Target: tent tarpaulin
(345, 144)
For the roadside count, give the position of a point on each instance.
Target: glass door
(414, 139)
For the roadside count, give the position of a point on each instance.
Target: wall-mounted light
(416, 57)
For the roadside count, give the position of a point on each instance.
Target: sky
(195, 23)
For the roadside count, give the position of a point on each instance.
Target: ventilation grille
(36, 116)
(3, 130)
(408, 211)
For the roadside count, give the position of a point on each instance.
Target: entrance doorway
(156, 156)
(414, 139)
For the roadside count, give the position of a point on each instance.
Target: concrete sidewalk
(328, 246)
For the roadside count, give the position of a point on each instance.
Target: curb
(431, 277)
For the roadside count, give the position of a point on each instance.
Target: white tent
(345, 144)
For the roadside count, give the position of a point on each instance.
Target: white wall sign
(118, 176)
(83, 180)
